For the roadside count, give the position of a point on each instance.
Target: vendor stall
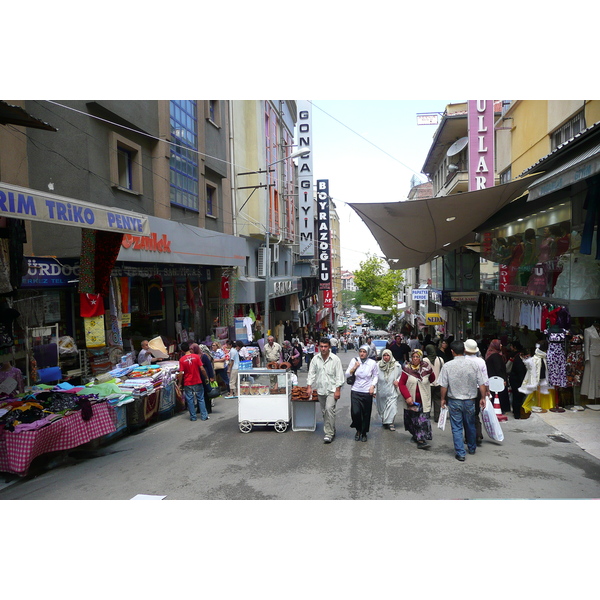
(264, 398)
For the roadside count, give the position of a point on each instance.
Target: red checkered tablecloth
(18, 449)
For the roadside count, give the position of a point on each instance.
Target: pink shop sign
(481, 144)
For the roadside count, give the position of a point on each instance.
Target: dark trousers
(361, 405)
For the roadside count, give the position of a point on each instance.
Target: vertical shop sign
(305, 182)
(323, 234)
(327, 298)
(481, 144)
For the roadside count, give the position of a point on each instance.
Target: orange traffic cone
(497, 408)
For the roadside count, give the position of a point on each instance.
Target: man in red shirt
(190, 367)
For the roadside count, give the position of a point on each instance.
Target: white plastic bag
(491, 423)
(443, 418)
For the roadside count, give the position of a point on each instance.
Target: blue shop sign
(50, 272)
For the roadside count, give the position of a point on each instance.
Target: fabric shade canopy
(413, 232)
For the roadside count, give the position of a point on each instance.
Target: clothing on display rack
(575, 361)
(557, 359)
(590, 385)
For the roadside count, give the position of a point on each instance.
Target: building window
(184, 154)
(213, 110)
(125, 164)
(211, 201)
(570, 129)
(506, 176)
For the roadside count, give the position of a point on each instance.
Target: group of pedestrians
(423, 380)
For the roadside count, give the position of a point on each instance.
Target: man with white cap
(472, 353)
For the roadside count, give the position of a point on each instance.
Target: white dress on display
(590, 384)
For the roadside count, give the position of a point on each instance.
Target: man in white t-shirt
(334, 343)
(472, 353)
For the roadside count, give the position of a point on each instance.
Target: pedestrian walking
(326, 375)
(372, 348)
(220, 364)
(436, 363)
(496, 367)
(386, 394)
(190, 373)
(472, 353)
(272, 350)
(334, 343)
(365, 373)
(309, 353)
(233, 368)
(297, 354)
(516, 376)
(400, 349)
(415, 387)
(459, 381)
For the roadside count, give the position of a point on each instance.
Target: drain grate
(559, 438)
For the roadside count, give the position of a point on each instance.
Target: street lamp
(300, 152)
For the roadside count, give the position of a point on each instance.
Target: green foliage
(378, 285)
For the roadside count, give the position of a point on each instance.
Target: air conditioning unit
(275, 253)
(263, 263)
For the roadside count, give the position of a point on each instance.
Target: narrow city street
(213, 460)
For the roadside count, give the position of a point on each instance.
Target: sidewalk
(582, 426)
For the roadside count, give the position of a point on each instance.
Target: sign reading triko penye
(23, 203)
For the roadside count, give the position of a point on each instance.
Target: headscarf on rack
(495, 347)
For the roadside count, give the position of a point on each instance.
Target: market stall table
(18, 449)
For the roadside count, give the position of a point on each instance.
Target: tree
(378, 284)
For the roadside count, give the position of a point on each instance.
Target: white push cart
(264, 398)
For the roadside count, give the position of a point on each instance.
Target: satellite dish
(457, 146)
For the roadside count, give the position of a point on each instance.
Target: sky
(368, 150)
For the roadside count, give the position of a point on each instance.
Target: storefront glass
(539, 256)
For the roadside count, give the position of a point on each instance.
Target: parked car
(380, 345)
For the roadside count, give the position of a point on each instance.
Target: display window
(539, 255)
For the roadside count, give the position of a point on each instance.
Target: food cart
(264, 398)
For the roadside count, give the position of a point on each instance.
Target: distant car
(380, 345)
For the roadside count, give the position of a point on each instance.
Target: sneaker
(461, 458)
(192, 418)
(471, 451)
(327, 439)
(229, 397)
(423, 445)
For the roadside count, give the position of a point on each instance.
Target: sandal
(391, 427)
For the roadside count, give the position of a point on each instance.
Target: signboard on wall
(323, 235)
(306, 215)
(481, 144)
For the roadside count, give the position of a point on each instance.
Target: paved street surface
(213, 460)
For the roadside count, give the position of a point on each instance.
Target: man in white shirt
(233, 368)
(272, 350)
(334, 343)
(327, 375)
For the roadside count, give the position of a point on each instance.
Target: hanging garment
(94, 332)
(557, 360)
(575, 361)
(590, 384)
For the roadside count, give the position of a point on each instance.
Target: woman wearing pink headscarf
(496, 367)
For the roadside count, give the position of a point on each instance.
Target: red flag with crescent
(224, 287)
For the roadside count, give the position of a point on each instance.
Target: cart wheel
(280, 426)
(245, 427)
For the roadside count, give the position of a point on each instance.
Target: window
(213, 110)
(570, 129)
(506, 176)
(125, 164)
(184, 154)
(211, 201)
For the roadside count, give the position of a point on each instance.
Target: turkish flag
(224, 287)
(91, 305)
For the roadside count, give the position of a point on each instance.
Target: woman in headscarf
(288, 352)
(415, 387)
(496, 367)
(365, 371)
(205, 357)
(386, 395)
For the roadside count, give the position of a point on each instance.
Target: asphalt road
(213, 460)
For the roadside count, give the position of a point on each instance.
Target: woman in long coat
(415, 387)
(386, 397)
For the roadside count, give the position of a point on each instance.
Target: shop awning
(577, 169)
(15, 115)
(32, 205)
(412, 233)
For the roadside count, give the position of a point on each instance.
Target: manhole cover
(559, 438)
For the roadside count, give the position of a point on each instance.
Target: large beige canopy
(413, 232)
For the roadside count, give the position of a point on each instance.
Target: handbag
(490, 422)
(218, 365)
(351, 379)
(214, 390)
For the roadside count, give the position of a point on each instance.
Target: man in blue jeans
(459, 380)
(190, 370)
